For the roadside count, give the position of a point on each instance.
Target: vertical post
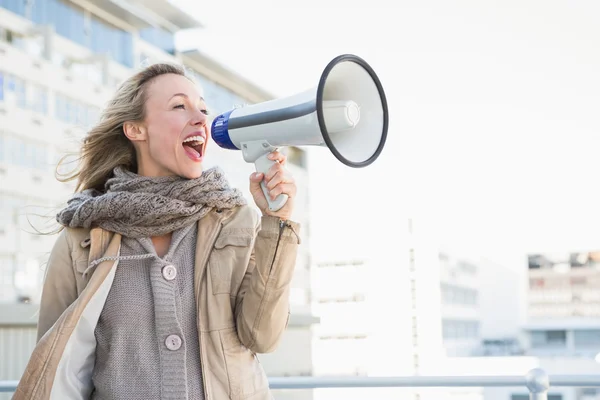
(48, 37)
(538, 383)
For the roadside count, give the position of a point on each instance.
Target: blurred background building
(60, 61)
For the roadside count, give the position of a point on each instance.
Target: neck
(148, 168)
(162, 243)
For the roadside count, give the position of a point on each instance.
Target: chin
(194, 173)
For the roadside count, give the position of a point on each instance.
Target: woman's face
(175, 130)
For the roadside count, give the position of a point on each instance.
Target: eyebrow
(184, 95)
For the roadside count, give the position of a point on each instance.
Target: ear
(134, 131)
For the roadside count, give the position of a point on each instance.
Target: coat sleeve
(60, 287)
(262, 303)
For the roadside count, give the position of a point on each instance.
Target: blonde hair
(105, 146)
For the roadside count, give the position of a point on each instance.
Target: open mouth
(194, 146)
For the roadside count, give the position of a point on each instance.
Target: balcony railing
(536, 381)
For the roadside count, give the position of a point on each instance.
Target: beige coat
(244, 266)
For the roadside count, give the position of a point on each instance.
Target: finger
(274, 170)
(277, 156)
(280, 177)
(255, 180)
(283, 188)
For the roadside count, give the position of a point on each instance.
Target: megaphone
(346, 112)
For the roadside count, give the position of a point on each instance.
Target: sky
(493, 108)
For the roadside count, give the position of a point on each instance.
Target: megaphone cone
(346, 112)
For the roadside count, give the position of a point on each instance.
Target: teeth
(194, 139)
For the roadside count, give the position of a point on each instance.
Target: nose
(199, 118)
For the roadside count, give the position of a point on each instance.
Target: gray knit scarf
(137, 206)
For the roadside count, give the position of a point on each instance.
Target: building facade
(60, 61)
(459, 287)
(560, 331)
(380, 315)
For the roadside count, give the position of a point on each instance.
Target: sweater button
(169, 272)
(173, 342)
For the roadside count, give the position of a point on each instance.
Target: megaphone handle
(263, 164)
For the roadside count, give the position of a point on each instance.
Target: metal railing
(536, 381)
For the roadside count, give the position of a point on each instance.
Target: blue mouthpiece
(220, 131)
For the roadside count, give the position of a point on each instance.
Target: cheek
(166, 132)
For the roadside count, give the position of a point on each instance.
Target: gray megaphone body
(347, 112)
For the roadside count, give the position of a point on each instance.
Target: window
(218, 98)
(587, 338)
(93, 115)
(467, 267)
(452, 294)
(554, 339)
(14, 88)
(536, 283)
(72, 111)
(526, 397)
(22, 152)
(16, 6)
(460, 329)
(106, 38)
(71, 22)
(39, 99)
(160, 38)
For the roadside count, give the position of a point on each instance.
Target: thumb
(255, 180)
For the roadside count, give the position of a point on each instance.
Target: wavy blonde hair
(105, 146)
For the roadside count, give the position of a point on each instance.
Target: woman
(164, 284)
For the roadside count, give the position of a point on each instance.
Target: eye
(181, 106)
(205, 112)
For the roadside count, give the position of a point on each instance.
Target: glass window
(81, 113)
(39, 11)
(15, 150)
(16, 6)
(39, 100)
(58, 106)
(16, 86)
(93, 115)
(40, 156)
(29, 150)
(106, 39)
(456, 329)
(548, 338)
(68, 21)
(160, 38)
(71, 22)
(587, 338)
(70, 111)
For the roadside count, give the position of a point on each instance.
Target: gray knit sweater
(147, 337)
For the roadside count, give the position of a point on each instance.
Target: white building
(60, 61)
(380, 315)
(460, 286)
(564, 285)
(560, 331)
